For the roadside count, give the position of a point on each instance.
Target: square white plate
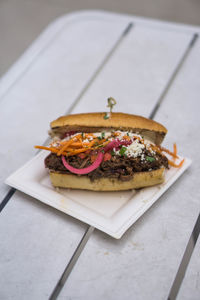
(111, 212)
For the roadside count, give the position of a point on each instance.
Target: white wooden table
(74, 66)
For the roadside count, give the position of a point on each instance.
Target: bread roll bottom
(139, 180)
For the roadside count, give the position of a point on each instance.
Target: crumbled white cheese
(116, 152)
(142, 157)
(135, 149)
(152, 152)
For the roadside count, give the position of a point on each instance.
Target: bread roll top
(97, 122)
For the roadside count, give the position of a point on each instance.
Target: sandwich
(107, 152)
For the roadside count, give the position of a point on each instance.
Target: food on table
(107, 152)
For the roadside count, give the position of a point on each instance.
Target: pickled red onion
(116, 144)
(86, 170)
(111, 145)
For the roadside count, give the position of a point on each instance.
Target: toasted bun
(95, 122)
(139, 180)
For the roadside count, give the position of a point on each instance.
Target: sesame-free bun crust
(94, 122)
(139, 180)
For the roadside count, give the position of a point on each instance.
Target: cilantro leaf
(150, 158)
(122, 150)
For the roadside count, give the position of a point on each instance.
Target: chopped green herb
(122, 150)
(150, 159)
(127, 133)
(82, 134)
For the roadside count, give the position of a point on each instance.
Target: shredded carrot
(63, 142)
(126, 137)
(116, 133)
(101, 145)
(67, 144)
(80, 139)
(54, 150)
(69, 150)
(175, 149)
(74, 143)
(92, 143)
(77, 144)
(77, 151)
(47, 148)
(171, 163)
(155, 148)
(101, 141)
(63, 148)
(168, 151)
(175, 152)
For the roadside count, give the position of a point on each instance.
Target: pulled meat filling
(120, 167)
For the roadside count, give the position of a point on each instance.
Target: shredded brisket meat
(120, 167)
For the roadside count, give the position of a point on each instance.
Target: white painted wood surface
(40, 87)
(184, 105)
(144, 262)
(138, 71)
(46, 82)
(36, 244)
